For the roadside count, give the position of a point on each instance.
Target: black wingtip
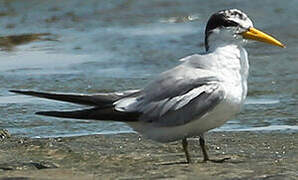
(60, 114)
(13, 91)
(18, 91)
(46, 113)
(76, 114)
(41, 112)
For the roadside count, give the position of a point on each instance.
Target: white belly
(224, 111)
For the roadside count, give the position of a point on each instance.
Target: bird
(201, 93)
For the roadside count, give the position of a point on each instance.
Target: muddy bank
(128, 156)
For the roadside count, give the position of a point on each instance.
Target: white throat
(223, 37)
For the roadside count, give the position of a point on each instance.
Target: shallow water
(99, 46)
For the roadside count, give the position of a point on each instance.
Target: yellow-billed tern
(200, 94)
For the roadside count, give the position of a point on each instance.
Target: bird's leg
(185, 145)
(203, 147)
(205, 154)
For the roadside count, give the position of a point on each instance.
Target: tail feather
(102, 100)
(103, 105)
(94, 114)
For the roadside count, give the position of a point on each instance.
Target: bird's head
(232, 26)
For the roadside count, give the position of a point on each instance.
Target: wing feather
(179, 95)
(194, 104)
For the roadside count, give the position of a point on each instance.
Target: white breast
(231, 66)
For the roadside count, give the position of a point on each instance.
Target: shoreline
(254, 155)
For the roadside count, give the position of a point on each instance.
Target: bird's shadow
(227, 160)
(172, 163)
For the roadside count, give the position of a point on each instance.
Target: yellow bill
(254, 34)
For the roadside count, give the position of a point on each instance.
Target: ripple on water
(261, 101)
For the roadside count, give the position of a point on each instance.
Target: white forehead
(238, 16)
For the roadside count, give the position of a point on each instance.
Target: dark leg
(205, 154)
(185, 144)
(203, 147)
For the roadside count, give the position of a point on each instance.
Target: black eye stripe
(228, 23)
(219, 20)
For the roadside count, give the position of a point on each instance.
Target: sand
(254, 155)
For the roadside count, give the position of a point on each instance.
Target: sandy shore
(127, 156)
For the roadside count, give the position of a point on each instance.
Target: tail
(103, 108)
(94, 114)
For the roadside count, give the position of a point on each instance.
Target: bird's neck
(228, 51)
(232, 58)
(229, 47)
(221, 39)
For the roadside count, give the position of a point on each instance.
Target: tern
(200, 94)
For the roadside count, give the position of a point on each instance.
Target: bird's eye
(230, 23)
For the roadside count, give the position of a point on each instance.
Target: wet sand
(128, 156)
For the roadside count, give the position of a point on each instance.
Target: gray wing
(176, 97)
(184, 108)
